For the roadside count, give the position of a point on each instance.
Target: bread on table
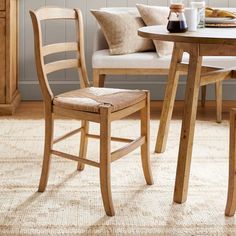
(210, 12)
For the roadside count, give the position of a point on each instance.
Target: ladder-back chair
(100, 105)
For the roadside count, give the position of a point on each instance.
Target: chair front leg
(105, 159)
(83, 143)
(48, 143)
(231, 200)
(145, 148)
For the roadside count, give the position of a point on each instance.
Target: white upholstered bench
(146, 63)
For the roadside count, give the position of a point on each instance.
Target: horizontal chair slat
(59, 47)
(61, 65)
(51, 13)
(127, 149)
(67, 135)
(75, 158)
(116, 139)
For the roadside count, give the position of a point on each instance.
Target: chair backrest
(41, 51)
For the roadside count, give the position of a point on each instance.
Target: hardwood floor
(34, 110)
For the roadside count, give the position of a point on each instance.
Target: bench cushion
(103, 59)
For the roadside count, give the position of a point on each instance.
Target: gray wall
(62, 81)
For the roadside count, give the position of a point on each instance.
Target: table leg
(169, 100)
(218, 89)
(231, 199)
(188, 124)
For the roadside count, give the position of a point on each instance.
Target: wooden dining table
(198, 44)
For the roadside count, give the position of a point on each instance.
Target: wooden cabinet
(9, 94)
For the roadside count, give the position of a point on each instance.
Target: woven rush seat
(90, 99)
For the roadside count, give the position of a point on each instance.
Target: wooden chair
(100, 105)
(231, 200)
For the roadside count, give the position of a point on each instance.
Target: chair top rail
(52, 13)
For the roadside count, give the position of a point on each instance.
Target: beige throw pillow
(156, 15)
(120, 28)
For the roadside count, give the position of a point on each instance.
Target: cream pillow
(120, 28)
(156, 15)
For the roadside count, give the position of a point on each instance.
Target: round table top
(204, 35)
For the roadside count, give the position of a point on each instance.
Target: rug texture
(72, 203)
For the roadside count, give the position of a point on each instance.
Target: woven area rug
(72, 204)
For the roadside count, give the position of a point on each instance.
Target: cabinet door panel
(11, 53)
(2, 60)
(2, 5)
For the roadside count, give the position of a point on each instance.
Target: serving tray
(220, 20)
(220, 25)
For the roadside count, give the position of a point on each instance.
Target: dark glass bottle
(176, 19)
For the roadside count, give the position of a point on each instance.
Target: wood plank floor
(34, 110)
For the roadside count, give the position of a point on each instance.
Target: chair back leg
(145, 148)
(83, 143)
